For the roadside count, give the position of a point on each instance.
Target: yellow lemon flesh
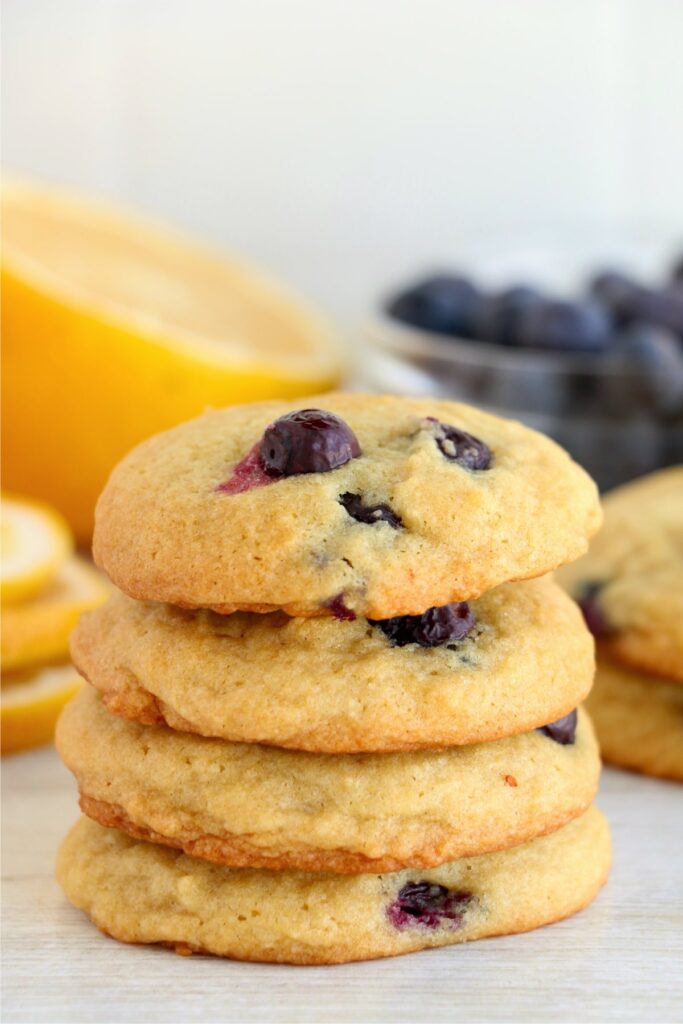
(35, 543)
(37, 631)
(113, 330)
(30, 704)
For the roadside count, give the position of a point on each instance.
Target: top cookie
(630, 584)
(403, 505)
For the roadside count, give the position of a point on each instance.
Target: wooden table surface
(621, 960)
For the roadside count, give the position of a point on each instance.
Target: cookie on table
(368, 505)
(639, 720)
(139, 892)
(630, 583)
(518, 657)
(246, 805)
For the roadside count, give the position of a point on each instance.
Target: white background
(344, 142)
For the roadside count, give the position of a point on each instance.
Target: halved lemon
(114, 329)
(35, 543)
(37, 631)
(30, 704)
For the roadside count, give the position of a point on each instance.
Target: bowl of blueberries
(600, 371)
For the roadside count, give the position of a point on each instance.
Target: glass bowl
(619, 422)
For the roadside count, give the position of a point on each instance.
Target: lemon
(114, 329)
(37, 631)
(30, 704)
(35, 543)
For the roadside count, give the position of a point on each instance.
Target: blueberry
(589, 603)
(459, 446)
(628, 301)
(353, 503)
(677, 273)
(444, 303)
(663, 307)
(339, 609)
(428, 904)
(564, 326)
(497, 316)
(434, 628)
(616, 292)
(307, 441)
(563, 730)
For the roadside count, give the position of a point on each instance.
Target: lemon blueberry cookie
(639, 720)
(144, 893)
(360, 505)
(630, 584)
(246, 805)
(516, 658)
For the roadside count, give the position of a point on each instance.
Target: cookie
(631, 581)
(639, 720)
(340, 687)
(374, 506)
(138, 892)
(245, 805)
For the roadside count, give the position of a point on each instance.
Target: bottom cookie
(141, 893)
(639, 720)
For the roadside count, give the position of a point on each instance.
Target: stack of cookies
(324, 722)
(630, 587)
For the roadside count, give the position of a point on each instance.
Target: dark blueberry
(565, 326)
(616, 292)
(353, 503)
(497, 317)
(677, 273)
(563, 730)
(663, 307)
(444, 303)
(307, 441)
(339, 609)
(629, 301)
(435, 627)
(589, 603)
(429, 905)
(460, 447)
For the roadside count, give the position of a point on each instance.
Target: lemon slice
(30, 704)
(114, 329)
(38, 631)
(35, 543)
